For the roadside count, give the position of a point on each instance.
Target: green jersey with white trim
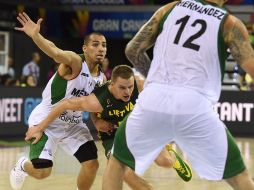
(114, 110)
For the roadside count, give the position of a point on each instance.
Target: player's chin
(126, 98)
(99, 61)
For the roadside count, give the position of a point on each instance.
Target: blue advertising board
(117, 24)
(240, 2)
(105, 2)
(235, 109)
(16, 105)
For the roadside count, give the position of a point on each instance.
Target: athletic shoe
(18, 175)
(181, 167)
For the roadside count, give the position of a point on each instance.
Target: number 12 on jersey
(189, 42)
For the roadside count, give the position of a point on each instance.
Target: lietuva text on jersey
(192, 5)
(121, 113)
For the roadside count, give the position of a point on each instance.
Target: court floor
(66, 169)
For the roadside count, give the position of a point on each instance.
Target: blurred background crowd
(66, 22)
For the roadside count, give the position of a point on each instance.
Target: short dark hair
(34, 54)
(123, 71)
(87, 37)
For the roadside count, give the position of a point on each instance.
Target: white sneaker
(17, 175)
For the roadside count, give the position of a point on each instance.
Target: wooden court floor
(66, 169)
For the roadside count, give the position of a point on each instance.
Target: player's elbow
(56, 56)
(129, 51)
(248, 66)
(68, 104)
(60, 57)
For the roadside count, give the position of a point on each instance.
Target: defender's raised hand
(29, 27)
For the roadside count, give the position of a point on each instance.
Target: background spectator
(52, 71)
(11, 82)
(10, 69)
(30, 81)
(105, 68)
(32, 68)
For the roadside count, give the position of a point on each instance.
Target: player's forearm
(55, 113)
(142, 41)
(51, 50)
(45, 45)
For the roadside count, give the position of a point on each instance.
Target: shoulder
(102, 93)
(101, 89)
(234, 27)
(164, 9)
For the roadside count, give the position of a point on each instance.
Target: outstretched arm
(85, 103)
(32, 29)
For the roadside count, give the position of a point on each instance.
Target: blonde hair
(123, 71)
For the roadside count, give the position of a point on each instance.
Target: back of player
(176, 104)
(182, 56)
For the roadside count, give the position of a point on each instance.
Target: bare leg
(36, 173)
(165, 159)
(241, 181)
(87, 174)
(134, 181)
(113, 175)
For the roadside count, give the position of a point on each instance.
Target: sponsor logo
(78, 93)
(70, 119)
(85, 74)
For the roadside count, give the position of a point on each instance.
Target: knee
(91, 165)
(128, 172)
(129, 175)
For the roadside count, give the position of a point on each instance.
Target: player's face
(123, 88)
(95, 49)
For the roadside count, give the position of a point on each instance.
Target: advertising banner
(239, 2)
(116, 25)
(105, 2)
(16, 105)
(235, 109)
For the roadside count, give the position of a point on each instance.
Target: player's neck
(93, 68)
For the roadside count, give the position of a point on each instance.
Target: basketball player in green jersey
(112, 102)
(183, 82)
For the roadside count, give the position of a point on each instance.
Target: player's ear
(84, 48)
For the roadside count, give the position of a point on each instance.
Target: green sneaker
(181, 167)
